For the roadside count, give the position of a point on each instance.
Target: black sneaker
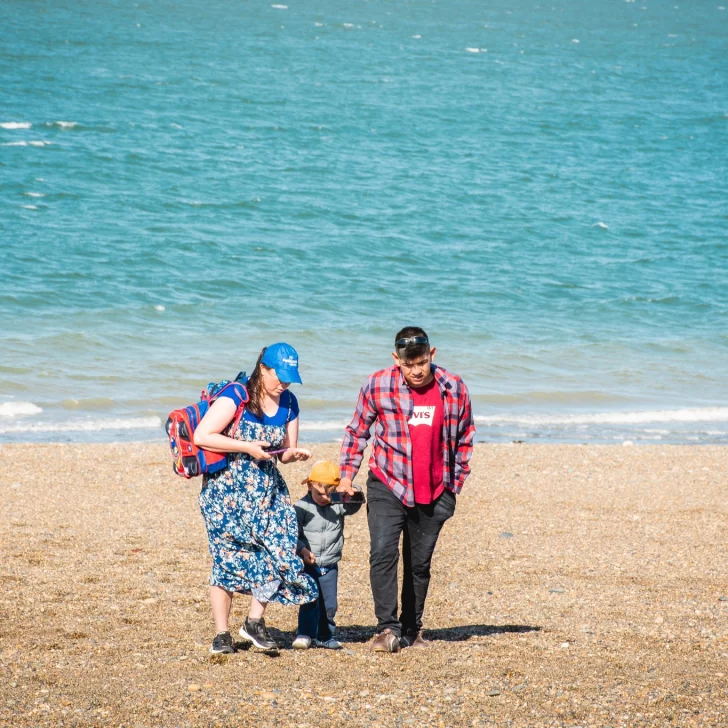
(222, 644)
(253, 630)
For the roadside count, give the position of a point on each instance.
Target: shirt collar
(438, 372)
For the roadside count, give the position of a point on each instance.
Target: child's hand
(307, 556)
(298, 453)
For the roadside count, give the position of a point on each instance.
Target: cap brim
(308, 480)
(289, 377)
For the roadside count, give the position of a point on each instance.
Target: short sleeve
(293, 404)
(233, 392)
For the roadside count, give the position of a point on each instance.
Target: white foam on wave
(15, 409)
(26, 144)
(29, 207)
(33, 194)
(280, 7)
(15, 125)
(324, 425)
(473, 50)
(133, 423)
(159, 307)
(66, 124)
(700, 414)
(602, 225)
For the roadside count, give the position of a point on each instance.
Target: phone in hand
(338, 497)
(276, 452)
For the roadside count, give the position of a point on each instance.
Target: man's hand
(346, 486)
(307, 556)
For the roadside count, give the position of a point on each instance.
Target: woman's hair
(255, 388)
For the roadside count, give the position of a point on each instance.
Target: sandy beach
(575, 586)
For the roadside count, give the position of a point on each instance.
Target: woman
(251, 524)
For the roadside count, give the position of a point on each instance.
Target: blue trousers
(316, 619)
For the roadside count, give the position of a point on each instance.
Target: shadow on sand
(359, 633)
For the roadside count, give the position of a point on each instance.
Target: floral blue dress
(251, 524)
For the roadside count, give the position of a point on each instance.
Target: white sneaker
(302, 642)
(329, 644)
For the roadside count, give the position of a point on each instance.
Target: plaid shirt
(387, 400)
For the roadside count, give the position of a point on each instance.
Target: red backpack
(189, 460)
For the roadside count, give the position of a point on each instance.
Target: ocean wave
(700, 414)
(64, 124)
(588, 398)
(324, 425)
(15, 125)
(90, 403)
(16, 409)
(95, 425)
(37, 143)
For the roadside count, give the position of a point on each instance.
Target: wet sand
(575, 586)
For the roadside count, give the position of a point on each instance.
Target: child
(320, 543)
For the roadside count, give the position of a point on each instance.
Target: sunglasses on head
(411, 341)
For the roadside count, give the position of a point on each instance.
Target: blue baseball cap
(283, 358)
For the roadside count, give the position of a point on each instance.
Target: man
(423, 440)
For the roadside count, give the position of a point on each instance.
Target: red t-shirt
(425, 430)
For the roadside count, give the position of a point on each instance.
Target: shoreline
(576, 585)
(336, 437)
(27, 423)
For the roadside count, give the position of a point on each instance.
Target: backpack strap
(290, 406)
(242, 393)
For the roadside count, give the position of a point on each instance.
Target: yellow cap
(324, 471)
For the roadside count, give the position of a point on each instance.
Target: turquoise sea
(543, 186)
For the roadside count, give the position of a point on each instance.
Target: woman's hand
(256, 450)
(295, 453)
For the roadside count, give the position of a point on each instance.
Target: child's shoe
(329, 644)
(302, 642)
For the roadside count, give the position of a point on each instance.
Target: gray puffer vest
(321, 528)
